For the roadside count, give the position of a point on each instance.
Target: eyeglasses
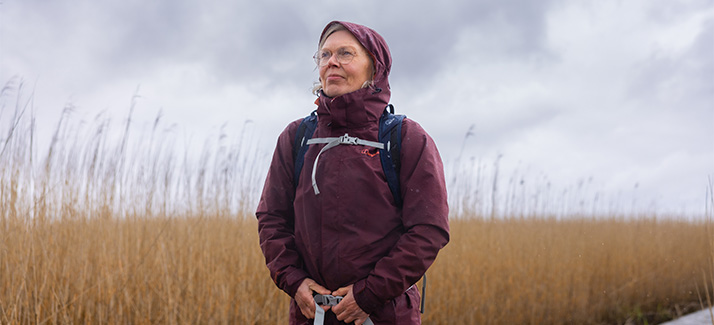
(344, 56)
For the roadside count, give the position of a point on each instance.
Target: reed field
(119, 225)
(210, 270)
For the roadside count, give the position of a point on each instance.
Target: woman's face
(338, 78)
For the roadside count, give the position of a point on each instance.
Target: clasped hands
(347, 310)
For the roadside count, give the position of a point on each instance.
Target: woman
(352, 239)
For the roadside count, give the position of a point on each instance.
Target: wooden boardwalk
(702, 317)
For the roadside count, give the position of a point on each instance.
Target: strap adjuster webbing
(347, 139)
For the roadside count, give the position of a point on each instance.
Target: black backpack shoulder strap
(304, 133)
(390, 133)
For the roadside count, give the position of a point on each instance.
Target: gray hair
(336, 27)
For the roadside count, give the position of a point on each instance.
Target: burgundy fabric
(352, 232)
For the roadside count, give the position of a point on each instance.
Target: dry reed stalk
(197, 270)
(210, 270)
(557, 272)
(118, 230)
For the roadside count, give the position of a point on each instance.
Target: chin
(336, 91)
(332, 92)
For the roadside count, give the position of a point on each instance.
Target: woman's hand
(347, 310)
(304, 298)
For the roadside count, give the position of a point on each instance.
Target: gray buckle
(327, 300)
(346, 139)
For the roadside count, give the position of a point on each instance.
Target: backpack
(390, 134)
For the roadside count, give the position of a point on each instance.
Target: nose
(332, 60)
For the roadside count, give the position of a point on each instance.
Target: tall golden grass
(105, 228)
(210, 270)
(584, 271)
(135, 271)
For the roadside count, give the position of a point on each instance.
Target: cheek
(366, 71)
(369, 73)
(322, 73)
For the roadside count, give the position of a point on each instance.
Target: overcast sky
(617, 93)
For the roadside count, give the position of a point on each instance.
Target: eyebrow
(349, 47)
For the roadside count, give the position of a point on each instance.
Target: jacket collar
(355, 109)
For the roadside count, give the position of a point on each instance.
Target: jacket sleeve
(276, 217)
(424, 217)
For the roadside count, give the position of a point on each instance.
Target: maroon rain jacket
(353, 232)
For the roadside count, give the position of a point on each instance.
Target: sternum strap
(333, 142)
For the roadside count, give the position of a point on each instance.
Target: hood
(375, 45)
(344, 110)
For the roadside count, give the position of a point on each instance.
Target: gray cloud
(621, 91)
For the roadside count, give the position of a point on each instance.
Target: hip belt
(328, 300)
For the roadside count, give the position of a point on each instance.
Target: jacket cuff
(365, 298)
(292, 282)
